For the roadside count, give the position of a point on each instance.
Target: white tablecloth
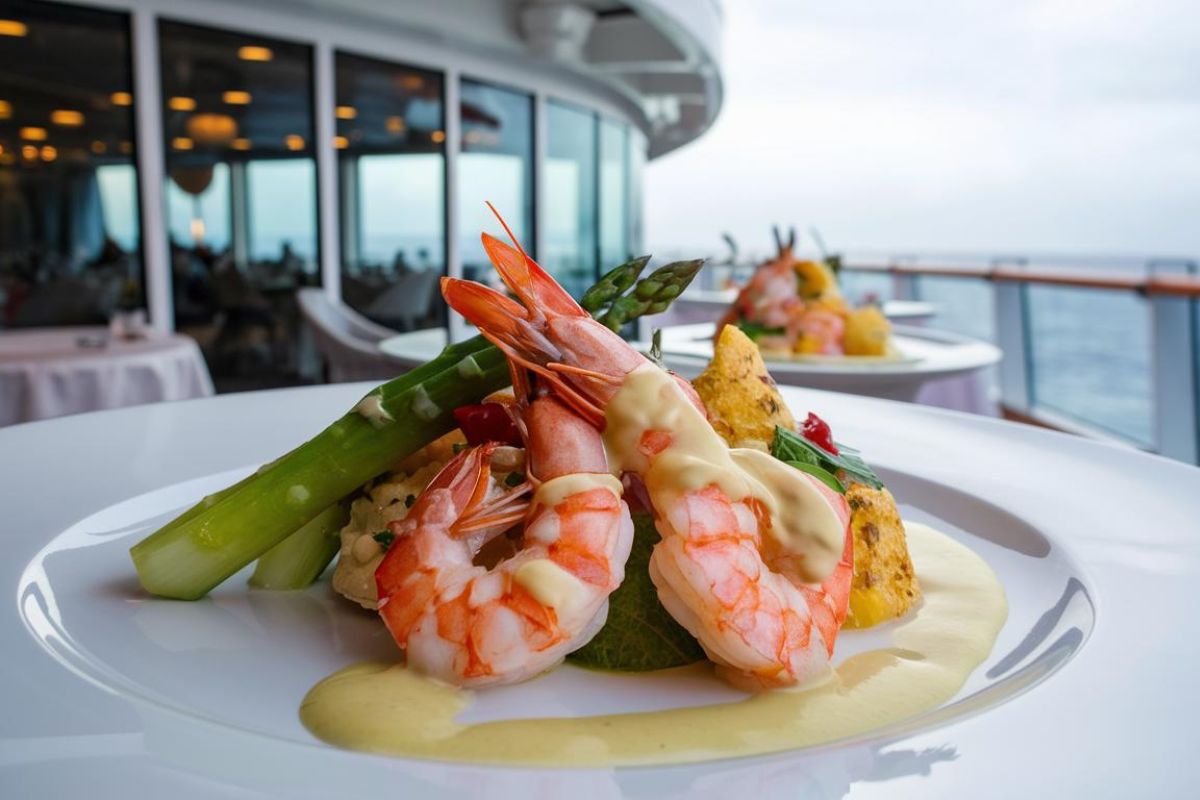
(47, 372)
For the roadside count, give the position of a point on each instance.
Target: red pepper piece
(487, 422)
(816, 430)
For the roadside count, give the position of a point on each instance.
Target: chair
(346, 340)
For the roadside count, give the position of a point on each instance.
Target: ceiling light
(49, 153)
(67, 118)
(99, 147)
(12, 27)
(212, 129)
(438, 136)
(412, 82)
(255, 53)
(240, 144)
(182, 103)
(394, 125)
(294, 142)
(29, 152)
(236, 98)
(33, 134)
(125, 147)
(346, 112)
(341, 142)
(5, 109)
(182, 143)
(121, 98)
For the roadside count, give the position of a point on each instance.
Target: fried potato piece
(743, 402)
(884, 585)
(816, 279)
(867, 332)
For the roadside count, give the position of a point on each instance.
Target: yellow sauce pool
(384, 708)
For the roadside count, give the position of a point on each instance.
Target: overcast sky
(987, 125)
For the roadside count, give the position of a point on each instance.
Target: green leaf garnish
(640, 635)
(385, 538)
(514, 479)
(756, 331)
(824, 476)
(847, 466)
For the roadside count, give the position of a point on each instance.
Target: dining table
(52, 372)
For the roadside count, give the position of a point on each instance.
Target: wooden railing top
(1169, 285)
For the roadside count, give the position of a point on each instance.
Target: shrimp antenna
(508, 230)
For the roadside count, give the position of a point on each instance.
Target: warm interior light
(294, 142)
(438, 136)
(7, 158)
(197, 229)
(67, 118)
(394, 125)
(121, 98)
(12, 27)
(346, 112)
(182, 104)
(341, 142)
(5, 109)
(29, 152)
(33, 134)
(125, 147)
(182, 143)
(412, 82)
(240, 144)
(49, 153)
(236, 98)
(99, 147)
(212, 129)
(255, 53)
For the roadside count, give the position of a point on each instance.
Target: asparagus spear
(653, 294)
(299, 559)
(188, 559)
(613, 284)
(189, 556)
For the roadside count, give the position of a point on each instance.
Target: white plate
(105, 691)
(925, 355)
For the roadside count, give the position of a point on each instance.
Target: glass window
(1089, 357)
(497, 166)
(614, 194)
(69, 221)
(392, 167)
(570, 197)
(964, 305)
(241, 194)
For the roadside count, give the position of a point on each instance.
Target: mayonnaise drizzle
(802, 522)
(385, 708)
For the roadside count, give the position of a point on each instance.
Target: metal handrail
(1163, 285)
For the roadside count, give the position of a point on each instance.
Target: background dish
(1065, 508)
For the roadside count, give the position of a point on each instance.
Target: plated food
(605, 511)
(793, 308)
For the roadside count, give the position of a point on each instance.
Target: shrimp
(764, 596)
(820, 330)
(470, 625)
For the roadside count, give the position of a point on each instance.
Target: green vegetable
(848, 465)
(300, 559)
(756, 331)
(514, 479)
(187, 559)
(613, 285)
(385, 538)
(640, 635)
(824, 476)
(653, 294)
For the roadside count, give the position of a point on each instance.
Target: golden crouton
(867, 332)
(743, 403)
(884, 586)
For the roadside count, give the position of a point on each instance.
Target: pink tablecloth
(50, 372)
